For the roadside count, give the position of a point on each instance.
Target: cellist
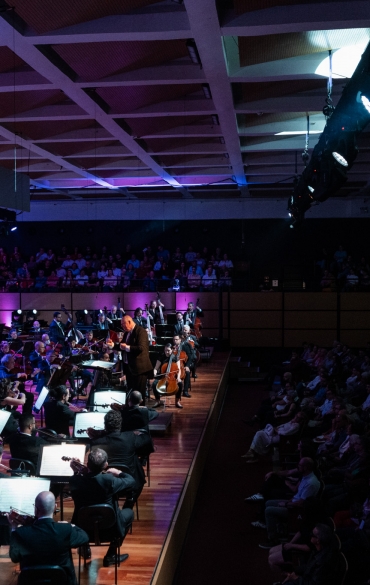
(161, 367)
(181, 346)
(191, 315)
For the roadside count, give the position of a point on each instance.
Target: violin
(18, 517)
(169, 385)
(93, 432)
(76, 465)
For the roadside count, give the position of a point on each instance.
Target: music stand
(107, 397)
(85, 420)
(40, 400)
(20, 493)
(4, 417)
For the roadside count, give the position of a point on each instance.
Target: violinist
(5, 349)
(15, 343)
(161, 367)
(154, 312)
(179, 348)
(10, 399)
(23, 443)
(6, 367)
(46, 369)
(36, 356)
(46, 340)
(46, 540)
(84, 374)
(58, 413)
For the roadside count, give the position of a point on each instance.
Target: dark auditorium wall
(263, 241)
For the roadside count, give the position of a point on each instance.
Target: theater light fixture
(365, 102)
(19, 311)
(311, 189)
(13, 228)
(86, 312)
(340, 159)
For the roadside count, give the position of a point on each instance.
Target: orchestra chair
(27, 465)
(42, 575)
(99, 522)
(125, 469)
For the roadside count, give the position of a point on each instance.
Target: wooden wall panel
(255, 301)
(8, 302)
(355, 320)
(255, 338)
(95, 301)
(45, 301)
(310, 301)
(256, 319)
(207, 300)
(354, 301)
(355, 338)
(310, 319)
(294, 338)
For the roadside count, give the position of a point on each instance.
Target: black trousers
(136, 382)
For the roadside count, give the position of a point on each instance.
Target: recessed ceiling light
(366, 102)
(344, 61)
(296, 132)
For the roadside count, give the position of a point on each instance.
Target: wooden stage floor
(169, 465)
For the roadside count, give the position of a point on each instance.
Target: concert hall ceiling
(155, 100)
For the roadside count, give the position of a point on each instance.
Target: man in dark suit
(58, 415)
(138, 318)
(179, 327)
(136, 362)
(98, 488)
(46, 541)
(137, 418)
(122, 448)
(191, 314)
(24, 444)
(57, 330)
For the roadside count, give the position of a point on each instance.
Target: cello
(168, 384)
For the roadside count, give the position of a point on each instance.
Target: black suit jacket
(179, 328)
(58, 416)
(138, 356)
(35, 359)
(138, 418)
(122, 449)
(47, 542)
(56, 334)
(25, 447)
(90, 489)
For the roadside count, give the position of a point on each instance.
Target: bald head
(135, 398)
(307, 465)
(45, 504)
(127, 323)
(187, 328)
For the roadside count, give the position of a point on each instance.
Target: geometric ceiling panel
(165, 98)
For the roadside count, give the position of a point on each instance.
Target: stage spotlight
(86, 312)
(34, 311)
(291, 226)
(366, 103)
(311, 189)
(19, 311)
(339, 158)
(13, 228)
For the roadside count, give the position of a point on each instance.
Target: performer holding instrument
(167, 374)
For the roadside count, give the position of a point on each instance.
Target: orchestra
(56, 356)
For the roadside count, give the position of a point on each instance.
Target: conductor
(135, 347)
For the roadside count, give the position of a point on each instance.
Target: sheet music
(52, 465)
(4, 417)
(20, 493)
(84, 420)
(98, 364)
(41, 399)
(108, 397)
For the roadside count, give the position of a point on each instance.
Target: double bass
(161, 316)
(150, 329)
(197, 323)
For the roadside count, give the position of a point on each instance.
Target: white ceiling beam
(39, 62)
(167, 24)
(205, 28)
(302, 17)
